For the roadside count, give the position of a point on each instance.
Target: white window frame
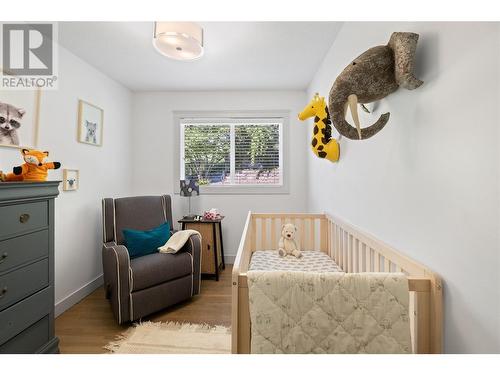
(235, 116)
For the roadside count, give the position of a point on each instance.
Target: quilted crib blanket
(310, 312)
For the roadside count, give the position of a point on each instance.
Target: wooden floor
(89, 325)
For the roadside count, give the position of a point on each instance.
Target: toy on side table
(287, 244)
(212, 214)
(34, 169)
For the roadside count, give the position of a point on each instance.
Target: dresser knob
(2, 258)
(24, 218)
(3, 292)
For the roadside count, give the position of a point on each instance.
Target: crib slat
(300, 240)
(376, 259)
(274, 244)
(350, 253)
(341, 248)
(347, 252)
(360, 256)
(327, 227)
(347, 258)
(336, 244)
(355, 255)
(311, 238)
(333, 240)
(372, 259)
(263, 233)
(367, 257)
(307, 235)
(341, 237)
(253, 238)
(279, 224)
(344, 250)
(387, 265)
(301, 229)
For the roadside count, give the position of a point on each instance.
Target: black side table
(212, 248)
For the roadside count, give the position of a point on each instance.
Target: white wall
(104, 171)
(428, 183)
(154, 148)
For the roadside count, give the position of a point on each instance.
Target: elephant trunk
(338, 111)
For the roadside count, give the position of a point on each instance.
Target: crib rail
(354, 251)
(311, 230)
(357, 251)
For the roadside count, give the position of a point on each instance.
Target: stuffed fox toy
(34, 169)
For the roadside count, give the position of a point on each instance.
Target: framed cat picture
(90, 123)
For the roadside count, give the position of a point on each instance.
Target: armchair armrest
(193, 247)
(116, 272)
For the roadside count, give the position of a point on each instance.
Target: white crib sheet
(314, 261)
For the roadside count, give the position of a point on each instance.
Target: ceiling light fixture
(178, 40)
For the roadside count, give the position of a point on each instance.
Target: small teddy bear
(287, 244)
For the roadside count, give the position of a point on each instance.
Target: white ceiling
(238, 55)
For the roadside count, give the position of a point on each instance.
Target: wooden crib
(354, 251)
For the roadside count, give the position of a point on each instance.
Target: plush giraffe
(323, 145)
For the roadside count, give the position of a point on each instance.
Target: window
(232, 154)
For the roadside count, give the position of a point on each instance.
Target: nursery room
(199, 186)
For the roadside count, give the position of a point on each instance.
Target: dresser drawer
(24, 217)
(17, 318)
(29, 340)
(19, 250)
(21, 283)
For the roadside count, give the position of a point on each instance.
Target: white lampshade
(178, 40)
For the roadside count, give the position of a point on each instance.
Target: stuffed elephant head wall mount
(372, 76)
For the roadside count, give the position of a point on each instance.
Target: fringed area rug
(173, 338)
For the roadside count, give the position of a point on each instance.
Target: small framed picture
(90, 123)
(71, 179)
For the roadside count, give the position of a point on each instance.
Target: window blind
(225, 152)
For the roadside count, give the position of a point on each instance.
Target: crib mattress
(315, 261)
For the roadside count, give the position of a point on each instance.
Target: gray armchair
(140, 286)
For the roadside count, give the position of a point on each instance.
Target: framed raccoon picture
(19, 116)
(71, 179)
(90, 123)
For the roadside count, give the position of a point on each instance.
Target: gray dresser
(27, 267)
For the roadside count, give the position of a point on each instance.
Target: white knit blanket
(177, 241)
(310, 312)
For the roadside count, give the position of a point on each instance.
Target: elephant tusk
(353, 104)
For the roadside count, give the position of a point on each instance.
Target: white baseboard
(77, 295)
(229, 259)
